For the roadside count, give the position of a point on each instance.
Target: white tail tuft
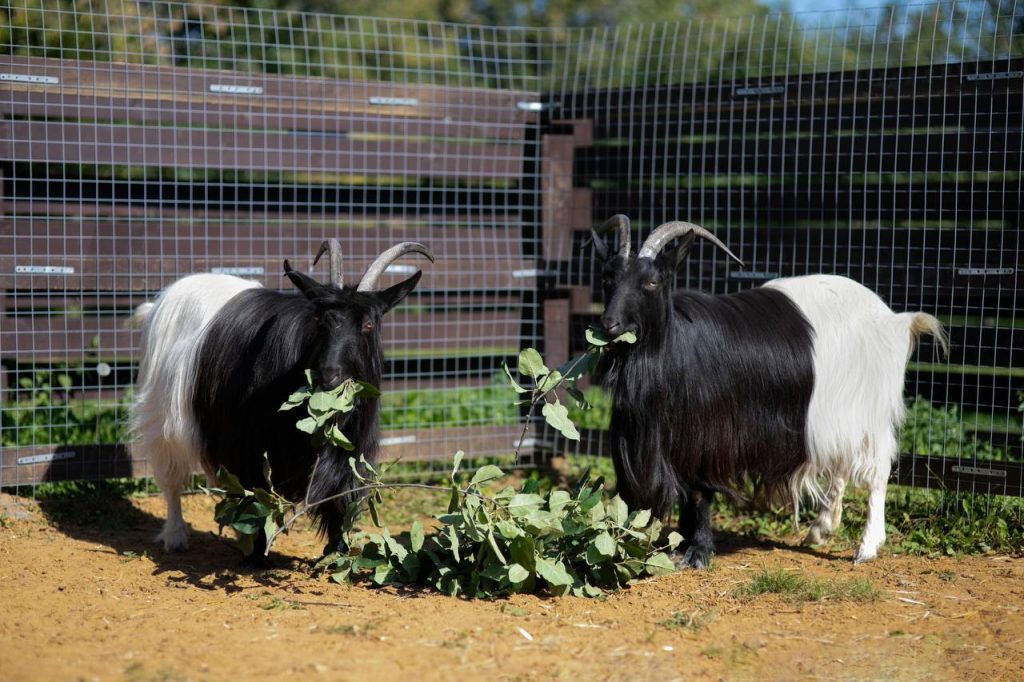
(138, 318)
(923, 323)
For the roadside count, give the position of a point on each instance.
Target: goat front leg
(695, 527)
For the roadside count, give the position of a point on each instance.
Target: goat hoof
(173, 540)
(695, 557)
(813, 537)
(864, 556)
(256, 561)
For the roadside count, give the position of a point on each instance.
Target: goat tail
(919, 324)
(138, 318)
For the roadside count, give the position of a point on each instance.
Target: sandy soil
(85, 594)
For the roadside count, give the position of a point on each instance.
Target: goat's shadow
(105, 517)
(731, 542)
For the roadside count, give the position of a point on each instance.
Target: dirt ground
(85, 594)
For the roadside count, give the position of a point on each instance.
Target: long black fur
(715, 389)
(254, 355)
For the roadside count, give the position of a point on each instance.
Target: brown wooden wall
(906, 179)
(117, 179)
(122, 178)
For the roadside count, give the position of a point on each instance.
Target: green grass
(796, 587)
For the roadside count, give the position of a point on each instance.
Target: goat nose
(330, 379)
(611, 326)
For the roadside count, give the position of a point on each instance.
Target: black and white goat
(793, 384)
(221, 354)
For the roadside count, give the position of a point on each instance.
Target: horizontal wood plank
(35, 230)
(160, 90)
(53, 339)
(888, 152)
(152, 274)
(31, 465)
(61, 142)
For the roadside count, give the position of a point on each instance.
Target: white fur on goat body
(161, 426)
(861, 348)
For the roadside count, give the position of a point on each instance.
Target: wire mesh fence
(143, 142)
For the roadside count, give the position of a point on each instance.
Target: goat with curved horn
(333, 248)
(666, 232)
(620, 223)
(377, 268)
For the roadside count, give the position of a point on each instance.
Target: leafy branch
(487, 544)
(546, 382)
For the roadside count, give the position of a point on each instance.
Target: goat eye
(367, 326)
(650, 285)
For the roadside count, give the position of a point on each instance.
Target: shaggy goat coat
(220, 356)
(794, 384)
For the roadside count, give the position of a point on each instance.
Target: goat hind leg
(830, 513)
(874, 528)
(171, 478)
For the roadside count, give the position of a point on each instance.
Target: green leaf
(531, 364)
(605, 544)
(524, 503)
(659, 564)
(454, 539)
(295, 399)
(494, 546)
(486, 473)
(577, 395)
(618, 511)
(509, 529)
(596, 337)
(558, 499)
(229, 482)
(267, 472)
(517, 574)
(336, 437)
(366, 389)
(515, 384)
(641, 519)
(416, 536)
(373, 511)
(456, 461)
(320, 402)
(628, 337)
(549, 382)
(674, 540)
(579, 366)
(553, 572)
(557, 416)
(307, 425)
(523, 552)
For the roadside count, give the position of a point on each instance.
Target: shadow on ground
(108, 519)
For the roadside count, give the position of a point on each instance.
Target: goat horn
(377, 268)
(621, 224)
(666, 232)
(333, 247)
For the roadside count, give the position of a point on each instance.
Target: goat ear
(676, 255)
(304, 283)
(393, 295)
(600, 248)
